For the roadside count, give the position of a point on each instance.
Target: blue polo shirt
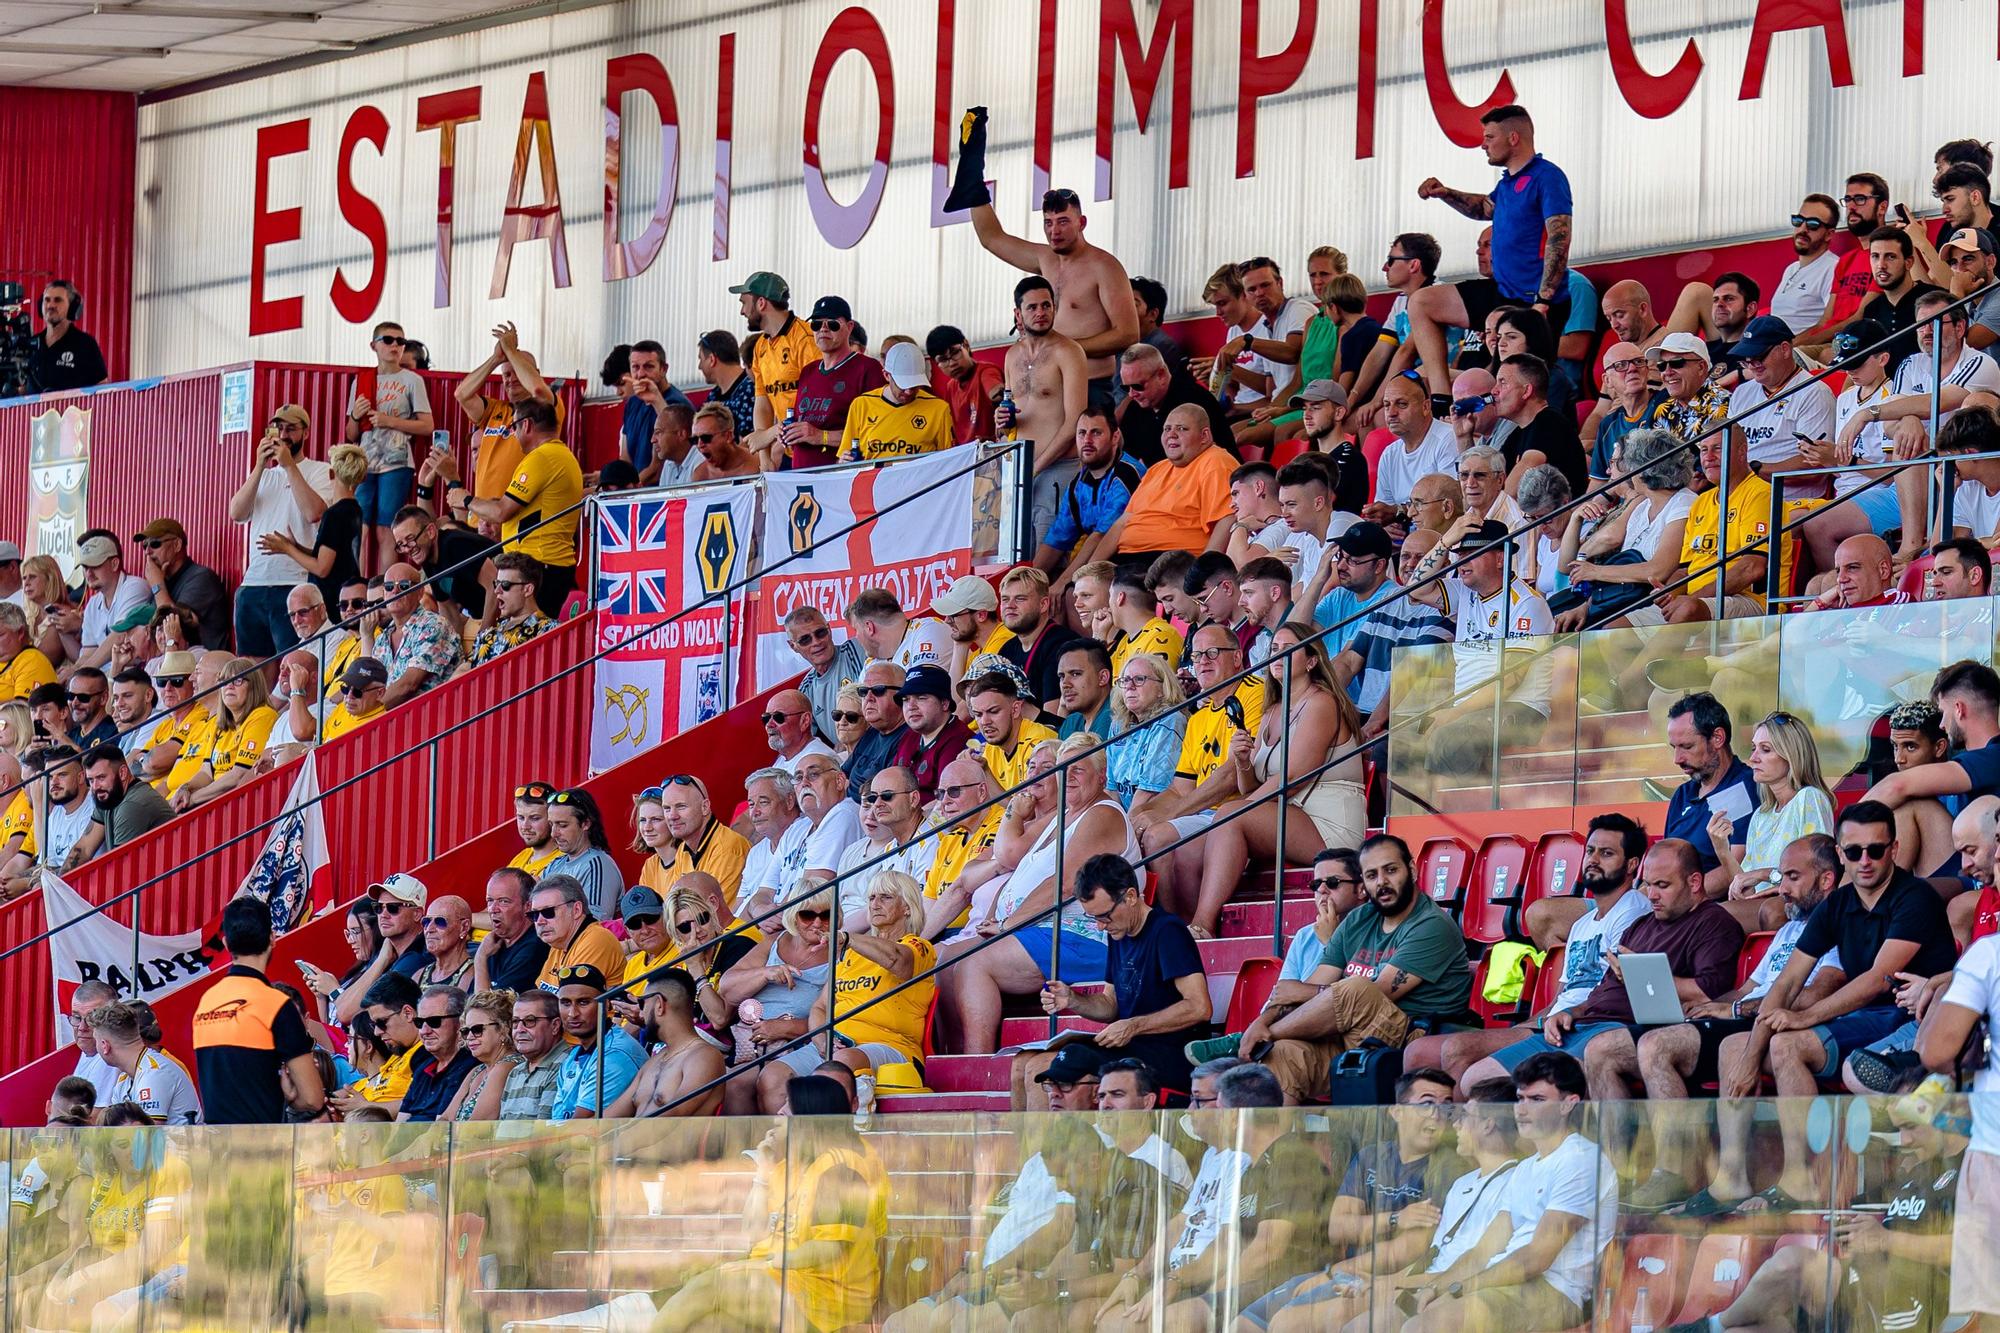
(1523, 201)
(637, 426)
(576, 1080)
(1092, 504)
(1687, 812)
(1340, 603)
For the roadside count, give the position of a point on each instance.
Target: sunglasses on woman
(690, 927)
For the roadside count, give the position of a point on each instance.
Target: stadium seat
(1912, 582)
(1548, 979)
(1721, 1266)
(1498, 872)
(1254, 983)
(1755, 946)
(1443, 866)
(1556, 867)
(1502, 1015)
(1654, 1275)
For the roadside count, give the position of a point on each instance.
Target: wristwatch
(1455, 1290)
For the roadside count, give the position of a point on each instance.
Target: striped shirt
(531, 1089)
(1399, 624)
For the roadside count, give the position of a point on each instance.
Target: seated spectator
(1975, 504)
(133, 700)
(830, 666)
(487, 1027)
(1671, 1059)
(1133, 625)
(1153, 392)
(1536, 1264)
(966, 823)
(1630, 403)
(447, 925)
(1087, 823)
(114, 594)
(790, 731)
(363, 692)
(1698, 735)
(1143, 760)
(242, 731)
(1364, 665)
(710, 943)
(1701, 941)
(1204, 777)
(531, 822)
(181, 583)
(1006, 735)
(1543, 432)
(576, 827)
(1924, 844)
(122, 807)
(1960, 567)
(23, 667)
(517, 619)
(936, 735)
(88, 721)
(1092, 502)
(670, 1083)
(511, 954)
(562, 919)
(902, 418)
(675, 822)
(833, 821)
(529, 1092)
(391, 1006)
(1182, 499)
(435, 1077)
(1482, 480)
(1084, 693)
(1158, 1002)
(414, 643)
(1641, 543)
(892, 814)
(1793, 800)
(399, 902)
(1422, 446)
(157, 1083)
(1967, 694)
(1885, 922)
(66, 819)
(1036, 639)
(773, 988)
(54, 619)
(1251, 1221)
(776, 854)
(577, 1084)
(970, 612)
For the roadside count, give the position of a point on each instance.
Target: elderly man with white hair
(1482, 478)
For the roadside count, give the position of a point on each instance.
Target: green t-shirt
(1427, 943)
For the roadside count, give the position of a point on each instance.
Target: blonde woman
(1795, 801)
(242, 728)
(55, 623)
(334, 558)
(848, 724)
(774, 988)
(487, 1028)
(1141, 763)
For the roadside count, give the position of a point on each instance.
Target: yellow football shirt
(25, 672)
(196, 750)
(548, 482)
(242, 747)
(1011, 766)
(777, 361)
(877, 428)
(1156, 636)
(338, 721)
(1206, 745)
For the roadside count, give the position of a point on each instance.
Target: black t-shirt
(1357, 343)
(73, 361)
(515, 966)
(1142, 967)
(1909, 909)
(339, 532)
(1553, 432)
(1899, 317)
(431, 1088)
(198, 589)
(1039, 663)
(1140, 426)
(462, 586)
(1350, 472)
(1722, 358)
(245, 1031)
(1287, 1183)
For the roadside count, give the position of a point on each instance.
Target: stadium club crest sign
(1145, 58)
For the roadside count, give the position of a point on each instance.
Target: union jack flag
(637, 558)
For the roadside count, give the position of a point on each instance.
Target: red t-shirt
(1853, 283)
(1986, 916)
(971, 402)
(824, 396)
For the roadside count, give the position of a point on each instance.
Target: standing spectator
(1047, 386)
(511, 955)
(413, 643)
(830, 666)
(576, 826)
(155, 1082)
(456, 563)
(517, 619)
(1530, 211)
(540, 512)
(969, 386)
(282, 499)
(65, 357)
(390, 408)
(781, 348)
(333, 560)
(495, 455)
(900, 419)
(181, 584)
(562, 919)
(828, 387)
(719, 360)
(1097, 310)
(434, 1082)
(646, 390)
(247, 1032)
(114, 596)
(577, 987)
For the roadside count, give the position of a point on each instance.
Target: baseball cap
(142, 614)
(987, 664)
(159, 529)
(1320, 391)
(831, 307)
(403, 887)
(1760, 335)
(1365, 540)
(175, 664)
(765, 284)
(363, 672)
(1862, 333)
(1970, 239)
(932, 680)
(581, 974)
(1682, 344)
(1073, 1064)
(9, 554)
(295, 415)
(968, 592)
(1481, 537)
(904, 365)
(94, 552)
(640, 901)
(1623, 351)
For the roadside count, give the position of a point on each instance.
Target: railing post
(431, 824)
(1055, 923)
(728, 613)
(602, 1008)
(1774, 552)
(1024, 523)
(1284, 797)
(1948, 488)
(1937, 391)
(833, 969)
(1500, 655)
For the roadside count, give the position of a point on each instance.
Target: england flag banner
(657, 553)
(97, 948)
(915, 552)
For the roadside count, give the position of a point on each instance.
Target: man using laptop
(1699, 941)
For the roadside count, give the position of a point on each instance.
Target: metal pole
(1055, 927)
(601, 1008)
(1284, 799)
(1722, 534)
(1773, 564)
(1024, 524)
(1500, 654)
(833, 952)
(431, 824)
(728, 614)
(1937, 390)
(1948, 486)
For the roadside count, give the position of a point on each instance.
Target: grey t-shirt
(399, 393)
(141, 809)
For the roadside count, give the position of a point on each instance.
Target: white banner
(657, 553)
(293, 874)
(98, 948)
(916, 552)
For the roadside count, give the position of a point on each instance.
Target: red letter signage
(1118, 43)
(843, 225)
(725, 130)
(445, 112)
(269, 227)
(1259, 76)
(641, 74)
(538, 221)
(356, 304)
(1776, 16)
(1459, 121)
(1653, 96)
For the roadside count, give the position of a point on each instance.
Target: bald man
(410, 638)
(1473, 423)
(1436, 501)
(1628, 309)
(788, 730)
(1183, 499)
(1973, 832)
(1863, 574)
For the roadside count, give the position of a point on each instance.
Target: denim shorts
(1851, 1032)
(381, 494)
(1510, 1057)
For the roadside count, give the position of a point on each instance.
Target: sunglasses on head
(1057, 201)
(690, 927)
(544, 913)
(534, 791)
(566, 798)
(1874, 851)
(643, 921)
(675, 780)
(433, 1023)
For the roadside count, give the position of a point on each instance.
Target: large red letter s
(356, 304)
(269, 227)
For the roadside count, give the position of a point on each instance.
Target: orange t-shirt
(1175, 508)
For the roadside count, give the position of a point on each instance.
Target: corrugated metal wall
(66, 160)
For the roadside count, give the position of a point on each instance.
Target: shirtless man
(682, 1061)
(1049, 382)
(1093, 294)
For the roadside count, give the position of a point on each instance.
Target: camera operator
(65, 356)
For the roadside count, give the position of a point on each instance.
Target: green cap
(767, 285)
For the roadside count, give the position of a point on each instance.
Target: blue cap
(1760, 335)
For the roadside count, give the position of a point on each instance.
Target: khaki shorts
(1975, 1236)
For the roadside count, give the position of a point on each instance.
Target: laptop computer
(1649, 987)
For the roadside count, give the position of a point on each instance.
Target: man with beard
(1038, 638)
(1737, 301)
(682, 1060)
(1324, 407)
(124, 808)
(1805, 288)
(1083, 683)
(1968, 696)
(1049, 385)
(1093, 501)
(1395, 958)
(781, 348)
(1698, 734)
(1591, 925)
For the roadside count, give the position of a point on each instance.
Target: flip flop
(1771, 1200)
(1704, 1204)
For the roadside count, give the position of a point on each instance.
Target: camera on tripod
(17, 341)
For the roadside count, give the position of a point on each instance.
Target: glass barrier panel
(1420, 688)
(228, 1253)
(1886, 1244)
(370, 1222)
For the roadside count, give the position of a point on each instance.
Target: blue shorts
(1880, 505)
(1510, 1057)
(1851, 1032)
(1083, 958)
(381, 494)
(1330, 1289)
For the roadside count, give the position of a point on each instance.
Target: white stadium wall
(1340, 144)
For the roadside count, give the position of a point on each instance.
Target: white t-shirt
(1576, 1179)
(839, 829)
(162, 1090)
(927, 642)
(1479, 633)
(1209, 1204)
(1808, 412)
(1975, 510)
(1470, 1206)
(398, 393)
(1302, 955)
(1031, 1205)
(1591, 938)
(1399, 466)
(1780, 953)
(1156, 1153)
(1292, 318)
(1311, 549)
(100, 1073)
(275, 509)
(775, 868)
(63, 828)
(912, 861)
(1803, 291)
(1871, 443)
(1973, 370)
(1975, 985)
(1643, 530)
(18, 597)
(131, 593)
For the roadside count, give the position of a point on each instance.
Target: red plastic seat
(1502, 1015)
(1717, 1274)
(1498, 873)
(1912, 582)
(1443, 866)
(1755, 946)
(1254, 982)
(1548, 980)
(1556, 867)
(1654, 1280)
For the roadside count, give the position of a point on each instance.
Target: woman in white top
(1091, 823)
(1652, 521)
(1785, 761)
(1544, 489)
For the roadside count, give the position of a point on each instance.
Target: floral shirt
(1689, 419)
(426, 642)
(503, 636)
